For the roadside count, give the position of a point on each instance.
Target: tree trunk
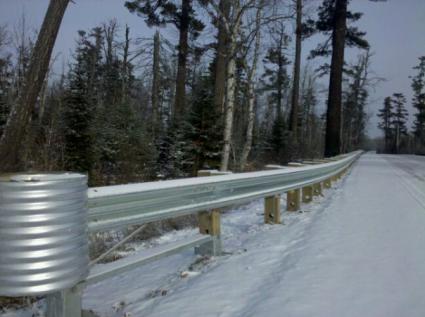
(125, 71)
(279, 93)
(180, 98)
(334, 111)
(230, 104)
(155, 84)
(12, 140)
(221, 58)
(230, 85)
(251, 93)
(293, 124)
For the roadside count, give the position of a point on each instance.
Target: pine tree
(276, 81)
(278, 140)
(6, 81)
(79, 113)
(203, 130)
(311, 130)
(333, 21)
(418, 86)
(393, 122)
(221, 55)
(399, 119)
(161, 12)
(275, 78)
(294, 113)
(354, 103)
(386, 125)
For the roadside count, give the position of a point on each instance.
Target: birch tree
(251, 88)
(231, 24)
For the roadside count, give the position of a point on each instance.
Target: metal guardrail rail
(113, 207)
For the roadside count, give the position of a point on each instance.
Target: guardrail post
(293, 198)
(307, 194)
(65, 303)
(327, 183)
(317, 189)
(272, 209)
(209, 223)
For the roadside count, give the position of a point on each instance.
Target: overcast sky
(395, 30)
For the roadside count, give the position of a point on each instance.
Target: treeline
(394, 117)
(132, 109)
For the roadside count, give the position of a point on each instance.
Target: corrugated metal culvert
(43, 232)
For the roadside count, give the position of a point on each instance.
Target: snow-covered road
(359, 251)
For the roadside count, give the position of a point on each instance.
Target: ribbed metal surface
(43, 233)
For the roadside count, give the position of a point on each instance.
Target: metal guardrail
(117, 206)
(104, 271)
(113, 207)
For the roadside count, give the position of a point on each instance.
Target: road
(357, 252)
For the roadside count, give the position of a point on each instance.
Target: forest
(130, 108)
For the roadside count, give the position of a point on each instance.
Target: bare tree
(16, 127)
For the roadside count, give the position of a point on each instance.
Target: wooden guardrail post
(307, 194)
(272, 203)
(317, 189)
(272, 209)
(327, 183)
(209, 223)
(293, 200)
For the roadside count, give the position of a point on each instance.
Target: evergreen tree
(278, 140)
(311, 124)
(393, 122)
(6, 82)
(333, 21)
(386, 125)
(161, 12)
(418, 86)
(203, 131)
(325, 24)
(78, 113)
(294, 116)
(354, 103)
(399, 119)
(275, 78)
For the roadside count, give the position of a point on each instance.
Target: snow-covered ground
(358, 251)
